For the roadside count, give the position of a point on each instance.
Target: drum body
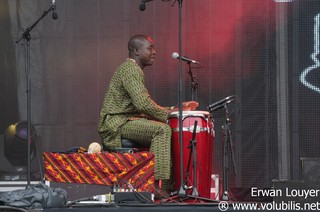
(204, 140)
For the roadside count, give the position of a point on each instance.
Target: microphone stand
(194, 84)
(181, 192)
(227, 145)
(27, 37)
(193, 152)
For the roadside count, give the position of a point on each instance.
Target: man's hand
(190, 105)
(186, 106)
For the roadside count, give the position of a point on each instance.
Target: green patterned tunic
(129, 111)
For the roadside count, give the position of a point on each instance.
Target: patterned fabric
(127, 112)
(127, 97)
(145, 131)
(101, 168)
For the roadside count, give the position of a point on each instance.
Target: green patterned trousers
(158, 135)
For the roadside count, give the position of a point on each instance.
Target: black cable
(139, 196)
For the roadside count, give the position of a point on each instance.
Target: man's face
(147, 52)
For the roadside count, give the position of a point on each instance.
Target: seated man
(129, 112)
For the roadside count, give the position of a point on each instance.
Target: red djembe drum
(204, 150)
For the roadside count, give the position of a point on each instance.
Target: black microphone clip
(54, 12)
(142, 6)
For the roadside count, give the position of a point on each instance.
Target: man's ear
(136, 51)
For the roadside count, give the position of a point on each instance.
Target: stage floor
(139, 208)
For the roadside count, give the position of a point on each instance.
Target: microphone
(175, 55)
(220, 104)
(54, 12)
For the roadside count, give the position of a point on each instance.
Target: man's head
(141, 49)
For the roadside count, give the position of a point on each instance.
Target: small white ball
(94, 147)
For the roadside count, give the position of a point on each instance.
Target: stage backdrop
(73, 58)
